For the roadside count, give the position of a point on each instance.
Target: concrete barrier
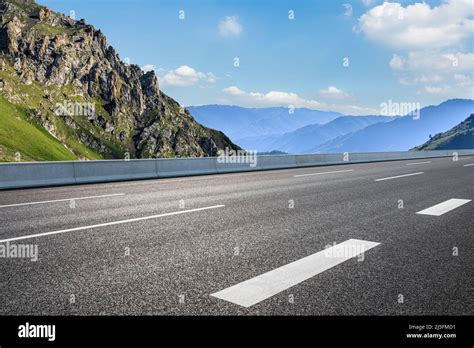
(309, 160)
(114, 170)
(237, 164)
(334, 158)
(462, 152)
(186, 166)
(277, 162)
(34, 174)
(367, 157)
(377, 156)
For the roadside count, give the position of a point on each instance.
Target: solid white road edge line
(259, 288)
(398, 176)
(321, 173)
(61, 200)
(108, 224)
(468, 165)
(444, 207)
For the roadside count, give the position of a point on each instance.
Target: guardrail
(37, 174)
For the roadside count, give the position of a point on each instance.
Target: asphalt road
(188, 238)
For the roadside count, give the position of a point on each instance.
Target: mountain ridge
(404, 132)
(460, 136)
(247, 122)
(305, 138)
(47, 59)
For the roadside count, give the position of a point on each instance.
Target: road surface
(400, 232)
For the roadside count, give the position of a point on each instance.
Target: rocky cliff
(60, 75)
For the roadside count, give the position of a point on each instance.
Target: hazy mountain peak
(403, 133)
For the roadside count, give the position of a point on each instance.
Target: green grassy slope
(458, 137)
(24, 134)
(50, 64)
(33, 143)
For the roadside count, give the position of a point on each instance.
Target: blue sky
(406, 52)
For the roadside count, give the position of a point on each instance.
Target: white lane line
(464, 158)
(398, 176)
(412, 164)
(109, 223)
(444, 207)
(311, 174)
(61, 200)
(257, 289)
(468, 165)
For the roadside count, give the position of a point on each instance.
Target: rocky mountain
(457, 138)
(65, 94)
(304, 139)
(404, 132)
(239, 122)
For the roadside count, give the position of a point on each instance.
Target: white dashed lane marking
(321, 173)
(61, 200)
(257, 289)
(398, 176)
(444, 207)
(412, 164)
(108, 224)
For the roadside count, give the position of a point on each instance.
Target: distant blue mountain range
(312, 131)
(304, 139)
(402, 133)
(238, 122)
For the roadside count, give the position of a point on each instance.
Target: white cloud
(437, 89)
(211, 78)
(397, 62)
(436, 72)
(433, 60)
(368, 2)
(428, 78)
(333, 92)
(464, 80)
(272, 98)
(432, 43)
(233, 90)
(423, 67)
(403, 81)
(230, 26)
(186, 71)
(348, 10)
(286, 99)
(419, 26)
(148, 67)
(185, 76)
